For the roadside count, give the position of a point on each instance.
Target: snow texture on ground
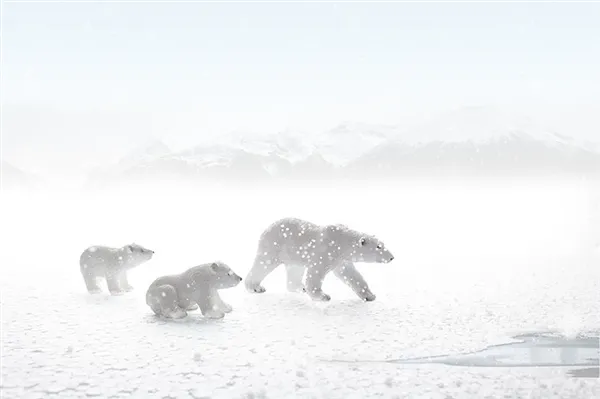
(474, 266)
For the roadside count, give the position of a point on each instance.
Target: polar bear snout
(387, 256)
(232, 280)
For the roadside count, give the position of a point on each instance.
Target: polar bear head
(369, 249)
(136, 254)
(222, 276)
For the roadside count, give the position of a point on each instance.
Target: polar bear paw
(370, 297)
(256, 288)
(225, 308)
(176, 314)
(296, 289)
(214, 314)
(320, 296)
(193, 306)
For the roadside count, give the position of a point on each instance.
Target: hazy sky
(107, 77)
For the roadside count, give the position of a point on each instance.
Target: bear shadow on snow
(193, 319)
(278, 306)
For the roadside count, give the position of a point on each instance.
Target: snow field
(474, 264)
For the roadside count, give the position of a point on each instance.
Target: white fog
(429, 131)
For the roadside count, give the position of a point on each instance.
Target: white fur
(172, 296)
(112, 264)
(304, 246)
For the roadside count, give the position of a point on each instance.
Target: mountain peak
(153, 149)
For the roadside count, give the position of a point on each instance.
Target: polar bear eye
(379, 246)
(230, 273)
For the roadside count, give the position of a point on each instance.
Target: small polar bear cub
(174, 295)
(305, 246)
(111, 264)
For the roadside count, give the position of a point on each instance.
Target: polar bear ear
(214, 267)
(129, 249)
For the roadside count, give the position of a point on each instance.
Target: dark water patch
(546, 349)
(591, 372)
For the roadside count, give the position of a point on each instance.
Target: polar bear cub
(305, 246)
(172, 296)
(111, 264)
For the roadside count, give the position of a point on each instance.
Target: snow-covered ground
(475, 264)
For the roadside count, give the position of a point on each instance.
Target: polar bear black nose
(391, 258)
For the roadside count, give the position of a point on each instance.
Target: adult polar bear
(318, 250)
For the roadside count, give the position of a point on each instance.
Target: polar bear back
(201, 276)
(176, 280)
(101, 258)
(292, 240)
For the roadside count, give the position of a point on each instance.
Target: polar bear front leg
(294, 278)
(207, 306)
(218, 302)
(314, 282)
(112, 281)
(348, 273)
(123, 282)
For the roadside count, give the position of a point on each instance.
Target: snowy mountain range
(472, 141)
(13, 177)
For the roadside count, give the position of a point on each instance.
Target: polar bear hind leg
(263, 266)
(91, 283)
(163, 302)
